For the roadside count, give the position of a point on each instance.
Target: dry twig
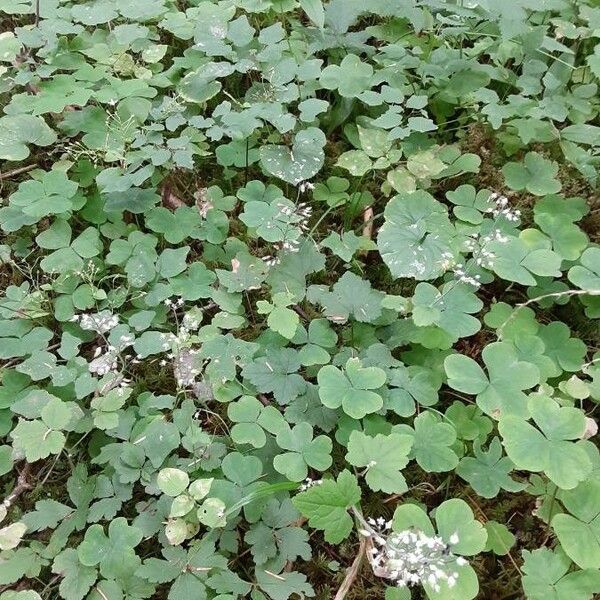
(352, 571)
(22, 485)
(13, 172)
(368, 222)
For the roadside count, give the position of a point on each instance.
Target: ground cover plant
(299, 299)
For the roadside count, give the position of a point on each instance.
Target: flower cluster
(308, 483)
(107, 355)
(174, 304)
(502, 209)
(299, 214)
(203, 203)
(304, 186)
(483, 257)
(477, 246)
(102, 322)
(290, 246)
(461, 273)
(186, 366)
(463, 276)
(411, 557)
(298, 217)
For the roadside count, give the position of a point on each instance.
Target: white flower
(102, 322)
(411, 557)
(308, 483)
(305, 185)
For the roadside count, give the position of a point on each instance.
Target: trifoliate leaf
(432, 441)
(500, 392)
(352, 388)
(535, 174)
(303, 452)
(548, 447)
(114, 553)
(546, 575)
(350, 296)
(350, 77)
(488, 472)
(578, 531)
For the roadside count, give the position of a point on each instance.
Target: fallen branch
(22, 485)
(9, 174)
(368, 222)
(352, 571)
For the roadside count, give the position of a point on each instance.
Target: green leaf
(515, 261)
(351, 388)
(172, 481)
(37, 440)
(53, 194)
(275, 221)
(456, 517)
(276, 372)
(383, 457)
(549, 447)
(432, 443)
(301, 162)
(76, 579)
(114, 553)
(351, 77)
(535, 174)
(212, 513)
(450, 309)
(303, 452)
(347, 244)
(281, 319)
(425, 164)
(579, 531)
(350, 296)
(453, 517)
(201, 85)
(500, 393)
(283, 586)
(488, 472)
(356, 162)
(47, 514)
(500, 540)
(586, 275)
(314, 11)
(407, 516)
(556, 217)
(326, 506)
(415, 235)
(172, 262)
(16, 131)
(546, 575)
(11, 535)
